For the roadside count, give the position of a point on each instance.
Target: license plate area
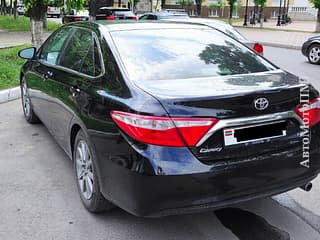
(253, 133)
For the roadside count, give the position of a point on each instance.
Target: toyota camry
(170, 118)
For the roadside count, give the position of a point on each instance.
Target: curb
(280, 45)
(9, 94)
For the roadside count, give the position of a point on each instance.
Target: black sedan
(311, 49)
(165, 14)
(75, 16)
(169, 118)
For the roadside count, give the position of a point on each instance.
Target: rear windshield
(162, 54)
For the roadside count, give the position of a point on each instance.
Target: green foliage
(187, 3)
(231, 2)
(10, 66)
(316, 3)
(71, 4)
(261, 3)
(213, 5)
(74, 4)
(22, 24)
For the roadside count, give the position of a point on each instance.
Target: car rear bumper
(161, 195)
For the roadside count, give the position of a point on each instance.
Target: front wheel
(28, 112)
(87, 180)
(314, 54)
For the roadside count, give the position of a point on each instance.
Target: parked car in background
(227, 29)
(113, 13)
(53, 10)
(164, 14)
(311, 49)
(169, 118)
(75, 16)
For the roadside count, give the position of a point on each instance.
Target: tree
(231, 5)
(198, 5)
(3, 7)
(37, 9)
(163, 2)
(316, 4)
(221, 4)
(260, 4)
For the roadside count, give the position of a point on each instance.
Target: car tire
(314, 54)
(28, 112)
(87, 180)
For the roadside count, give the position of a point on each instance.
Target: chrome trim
(234, 122)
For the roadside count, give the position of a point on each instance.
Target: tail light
(309, 112)
(163, 131)
(134, 18)
(111, 17)
(77, 19)
(258, 48)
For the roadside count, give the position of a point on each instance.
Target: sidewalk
(11, 39)
(305, 26)
(272, 35)
(276, 38)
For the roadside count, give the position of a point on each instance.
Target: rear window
(164, 54)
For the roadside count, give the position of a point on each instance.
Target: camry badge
(261, 103)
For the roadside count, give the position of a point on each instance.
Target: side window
(92, 64)
(77, 49)
(144, 17)
(53, 46)
(152, 17)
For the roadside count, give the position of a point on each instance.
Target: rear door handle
(47, 75)
(75, 91)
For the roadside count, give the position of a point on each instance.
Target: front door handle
(75, 91)
(47, 75)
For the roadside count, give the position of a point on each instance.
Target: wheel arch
(73, 133)
(312, 44)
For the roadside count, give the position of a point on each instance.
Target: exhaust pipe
(307, 187)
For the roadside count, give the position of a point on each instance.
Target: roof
(134, 25)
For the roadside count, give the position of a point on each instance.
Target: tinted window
(152, 17)
(184, 53)
(53, 46)
(77, 49)
(91, 64)
(144, 17)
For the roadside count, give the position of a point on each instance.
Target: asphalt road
(293, 61)
(39, 199)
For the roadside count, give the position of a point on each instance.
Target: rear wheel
(87, 180)
(314, 54)
(28, 112)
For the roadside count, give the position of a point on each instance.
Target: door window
(91, 64)
(77, 49)
(51, 49)
(82, 54)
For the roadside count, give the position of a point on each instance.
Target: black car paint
(149, 180)
(307, 44)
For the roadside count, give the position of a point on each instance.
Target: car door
(41, 88)
(78, 67)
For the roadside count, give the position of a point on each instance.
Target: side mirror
(27, 53)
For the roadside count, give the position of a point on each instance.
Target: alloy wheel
(84, 169)
(25, 99)
(314, 54)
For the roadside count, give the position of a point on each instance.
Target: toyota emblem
(261, 103)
